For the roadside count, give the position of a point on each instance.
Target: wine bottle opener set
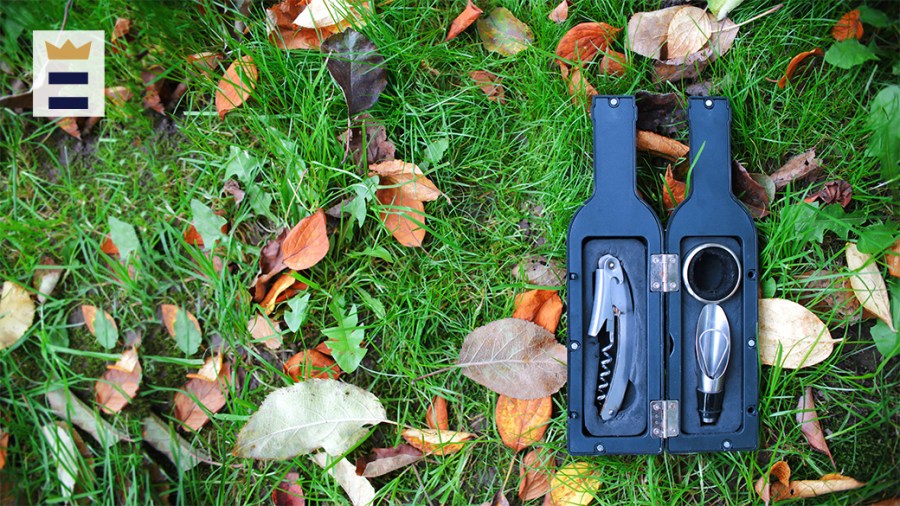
(662, 324)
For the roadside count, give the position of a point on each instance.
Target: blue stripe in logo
(68, 77)
(68, 103)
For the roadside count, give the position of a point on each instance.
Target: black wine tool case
(662, 350)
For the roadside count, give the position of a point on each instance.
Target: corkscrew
(612, 308)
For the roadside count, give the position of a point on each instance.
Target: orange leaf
(438, 442)
(69, 126)
(613, 63)
(236, 85)
(4, 444)
(408, 178)
(522, 423)
(210, 370)
(490, 85)
(265, 331)
(109, 247)
(809, 423)
(307, 243)
(289, 493)
(560, 13)
(543, 307)
(404, 218)
(464, 20)
(323, 348)
(892, 258)
(794, 63)
(849, 26)
(170, 312)
(90, 314)
(574, 484)
(210, 395)
(579, 87)
(311, 364)
(282, 285)
(120, 383)
(534, 475)
(673, 190)
(436, 417)
(583, 41)
(661, 146)
(785, 488)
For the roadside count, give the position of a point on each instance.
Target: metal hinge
(663, 419)
(664, 272)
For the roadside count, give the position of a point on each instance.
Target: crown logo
(68, 51)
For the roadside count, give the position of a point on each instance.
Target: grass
(503, 162)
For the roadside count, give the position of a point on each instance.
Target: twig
(508, 472)
(754, 18)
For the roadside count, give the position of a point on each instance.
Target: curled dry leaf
(751, 193)
(403, 216)
(672, 190)
(46, 276)
(543, 307)
(794, 65)
(658, 145)
(868, 285)
(792, 333)
(358, 489)
(521, 423)
(285, 287)
(307, 243)
(409, 179)
(802, 166)
(385, 460)
(265, 331)
(286, 35)
(574, 484)
(490, 85)
(435, 441)
(16, 313)
(436, 416)
(785, 488)
(559, 13)
(322, 13)
(289, 492)
(311, 364)
(534, 475)
(236, 85)
(515, 358)
(647, 31)
(809, 423)
(837, 191)
(377, 146)
(503, 33)
(200, 395)
(271, 263)
(892, 258)
(584, 41)
(464, 20)
(181, 453)
(357, 67)
(119, 383)
(848, 27)
(688, 32)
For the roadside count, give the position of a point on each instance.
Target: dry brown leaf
(464, 20)
(538, 270)
(438, 442)
(574, 484)
(265, 331)
(408, 178)
(90, 314)
(307, 243)
(579, 88)
(794, 332)
(892, 258)
(521, 423)
(377, 149)
(809, 423)
(404, 217)
(647, 31)
(661, 146)
(613, 63)
(490, 85)
(385, 460)
(311, 364)
(209, 394)
(823, 290)
(289, 493)
(211, 368)
(868, 285)
(285, 34)
(70, 126)
(543, 307)
(688, 32)
(204, 62)
(120, 383)
(848, 27)
(236, 85)
(794, 64)
(271, 263)
(436, 416)
(751, 193)
(16, 313)
(837, 191)
(583, 41)
(785, 488)
(534, 475)
(170, 312)
(803, 166)
(559, 13)
(118, 95)
(672, 190)
(285, 287)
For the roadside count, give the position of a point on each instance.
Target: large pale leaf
(358, 489)
(868, 285)
(794, 332)
(62, 447)
(164, 439)
(16, 314)
(70, 408)
(321, 13)
(647, 31)
(306, 416)
(356, 66)
(688, 32)
(514, 357)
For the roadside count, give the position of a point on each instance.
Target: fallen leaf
(868, 284)
(285, 34)
(892, 259)
(534, 475)
(794, 64)
(211, 368)
(559, 13)
(673, 190)
(236, 85)
(435, 441)
(584, 41)
(200, 395)
(204, 62)
(803, 166)
(793, 332)
(289, 492)
(676, 73)
(265, 331)
(46, 277)
(723, 34)
(543, 307)
(823, 290)
(4, 445)
(271, 263)
(688, 32)
(849, 53)
(16, 314)
(409, 179)
(357, 67)
(311, 364)
(208, 226)
(107, 333)
(490, 85)
(658, 145)
(303, 417)
(182, 326)
(321, 13)
(464, 20)
(849, 26)
(521, 423)
(385, 460)
(377, 146)
(574, 484)
(68, 407)
(285, 287)
(402, 216)
(785, 488)
(647, 31)
(515, 358)
(436, 416)
(613, 63)
(837, 191)
(161, 92)
(307, 243)
(164, 440)
(538, 270)
(118, 95)
(358, 489)
(809, 423)
(579, 88)
(62, 447)
(501, 32)
(119, 383)
(751, 193)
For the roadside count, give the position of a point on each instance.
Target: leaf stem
(754, 18)
(435, 373)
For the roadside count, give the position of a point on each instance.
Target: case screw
(751, 343)
(657, 432)
(573, 276)
(573, 414)
(600, 448)
(655, 407)
(708, 104)
(655, 259)
(574, 345)
(656, 285)
(726, 444)
(614, 102)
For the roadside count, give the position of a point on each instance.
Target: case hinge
(663, 419)
(664, 272)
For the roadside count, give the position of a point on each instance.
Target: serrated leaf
(124, 237)
(296, 316)
(876, 238)
(434, 152)
(208, 223)
(260, 201)
(849, 53)
(357, 67)
(345, 341)
(306, 416)
(242, 164)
